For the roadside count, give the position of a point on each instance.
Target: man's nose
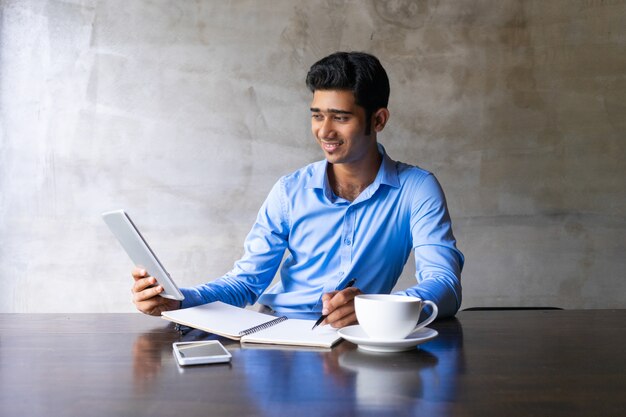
(327, 130)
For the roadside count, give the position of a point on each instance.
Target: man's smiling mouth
(330, 146)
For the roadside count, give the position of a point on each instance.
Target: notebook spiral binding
(262, 326)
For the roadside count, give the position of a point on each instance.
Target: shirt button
(348, 242)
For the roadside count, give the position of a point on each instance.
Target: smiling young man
(355, 214)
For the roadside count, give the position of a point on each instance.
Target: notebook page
(219, 318)
(295, 332)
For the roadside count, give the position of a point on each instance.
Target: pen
(323, 317)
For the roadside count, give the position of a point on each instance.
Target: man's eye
(317, 116)
(342, 119)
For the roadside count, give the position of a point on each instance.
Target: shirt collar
(387, 174)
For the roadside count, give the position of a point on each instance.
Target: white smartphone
(198, 353)
(139, 252)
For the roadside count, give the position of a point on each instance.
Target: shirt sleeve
(438, 263)
(263, 251)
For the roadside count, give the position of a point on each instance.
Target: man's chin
(332, 158)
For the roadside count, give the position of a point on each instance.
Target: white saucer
(356, 335)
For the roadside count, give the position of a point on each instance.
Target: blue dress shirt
(331, 240)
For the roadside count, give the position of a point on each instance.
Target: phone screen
(201, 349)
(198, 353)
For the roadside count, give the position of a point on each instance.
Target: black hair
(358, 72)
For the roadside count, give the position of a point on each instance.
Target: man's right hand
(146, 295)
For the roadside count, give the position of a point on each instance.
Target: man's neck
(349, 180)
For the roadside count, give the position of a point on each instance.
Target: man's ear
(379, 119)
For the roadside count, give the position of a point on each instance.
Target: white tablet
(139, 252)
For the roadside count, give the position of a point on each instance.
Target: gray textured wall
(185, 113)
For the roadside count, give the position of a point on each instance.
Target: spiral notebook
(250, 326)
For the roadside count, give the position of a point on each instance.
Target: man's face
(338, 125)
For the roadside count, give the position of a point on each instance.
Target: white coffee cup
(389, 316)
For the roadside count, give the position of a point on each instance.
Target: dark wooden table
(496, 363)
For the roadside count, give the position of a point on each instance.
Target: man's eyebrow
(334, 111)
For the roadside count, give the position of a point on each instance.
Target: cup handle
(430, 318)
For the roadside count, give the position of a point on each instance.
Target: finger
(147, 294)
(151, 306)
(342, 297)
(346, 320)
(325, 299)
(327, 296)
(143, 284)
(139, 273)
(340, 312)
(156, 305)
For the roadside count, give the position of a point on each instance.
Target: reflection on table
(522, 363)
(286, 378)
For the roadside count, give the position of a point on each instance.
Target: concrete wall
(185, 113)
